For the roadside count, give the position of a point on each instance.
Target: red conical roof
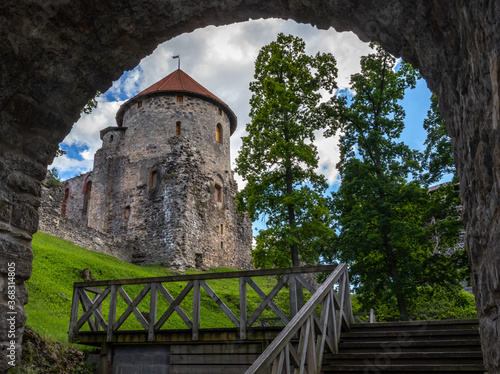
(177, 82)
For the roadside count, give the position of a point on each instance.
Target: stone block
(20, 253)
(25, 217)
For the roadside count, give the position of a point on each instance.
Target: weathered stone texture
(74, 231)
(56, 54)
(176, 219)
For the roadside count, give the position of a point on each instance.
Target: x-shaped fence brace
(92, 307)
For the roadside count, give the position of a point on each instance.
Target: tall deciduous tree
(382, 215)
(278, 158)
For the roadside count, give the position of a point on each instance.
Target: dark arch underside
(55, 54)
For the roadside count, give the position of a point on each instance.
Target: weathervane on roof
(179, 62)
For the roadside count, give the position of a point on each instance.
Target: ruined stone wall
(51, 222)
(169, 193)
(73, 206)
(177, 221)
(56, 54)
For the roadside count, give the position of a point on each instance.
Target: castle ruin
(162, 181)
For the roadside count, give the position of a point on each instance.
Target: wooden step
(408, 348)
(404, 369)
(405, 358)
(417, 325)
(406, 335)
(411, 346)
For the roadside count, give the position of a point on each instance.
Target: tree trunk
(393, 268)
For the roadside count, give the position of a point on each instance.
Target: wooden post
(105, 359)
(74, 314)
(293, 295)
(372, 315)
(196, 309)
(112, 312)
(243, 308)
(152, 311)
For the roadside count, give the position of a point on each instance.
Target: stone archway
(56, 53)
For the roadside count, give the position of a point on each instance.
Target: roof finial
(179, 62)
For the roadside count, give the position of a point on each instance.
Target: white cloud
(222, 60)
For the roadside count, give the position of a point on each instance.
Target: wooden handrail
(154, 319)
(336, 311)
(205, 276)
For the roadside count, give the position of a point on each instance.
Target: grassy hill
(58, 264)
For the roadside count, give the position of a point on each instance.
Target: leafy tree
(438, 154)
(92, 104)
(445, 198)
(278, 158)
(382, 214)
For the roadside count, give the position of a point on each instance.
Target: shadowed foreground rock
(55, 54)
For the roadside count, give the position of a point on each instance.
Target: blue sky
(222, 60)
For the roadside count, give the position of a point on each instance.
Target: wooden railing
(365, 317)
(285, 356)
(91, 298)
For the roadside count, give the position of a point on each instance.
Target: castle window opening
(220, 112)
(139, 104)
(177, 129)
(221, 246)
(111, 138)
(180, 98)
(64, 202)
(126, 212)
(218, 193)
(222, 228)
(153, 178)
(218, 133)
(86, 199)
(198, 260)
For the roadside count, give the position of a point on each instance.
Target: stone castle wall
(51, 222)
(163, 184)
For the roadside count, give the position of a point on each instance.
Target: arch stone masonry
(55, 54)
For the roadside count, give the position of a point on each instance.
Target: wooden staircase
(449, 346)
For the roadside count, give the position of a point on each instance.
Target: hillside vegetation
(58, 264)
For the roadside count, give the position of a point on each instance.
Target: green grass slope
(58, 264)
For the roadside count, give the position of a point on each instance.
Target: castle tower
(163, 181)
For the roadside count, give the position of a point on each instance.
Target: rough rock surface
(161, 191)
(52, 223)
(55, 54)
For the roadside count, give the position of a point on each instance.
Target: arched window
(65, 202)
(86, 199)
(177, 128)
(111, 138)
(153, 177)
(139, 104)
(218, 133)
(218, 193)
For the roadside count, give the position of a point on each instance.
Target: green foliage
(92, 104)
(382, 216)
(430, 303)
(53, 178)
(58, 264)
(278, 158)
(438, 154)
